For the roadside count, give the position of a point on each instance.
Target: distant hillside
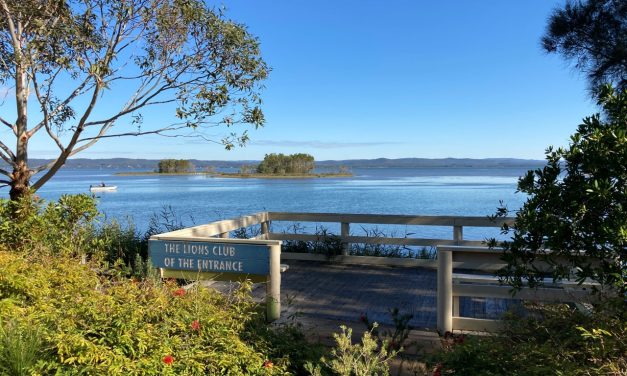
(151, 164)
(426, 162)
(135, 164)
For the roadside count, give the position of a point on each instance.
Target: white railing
(345, 221)
(452, 253)
(482, 263)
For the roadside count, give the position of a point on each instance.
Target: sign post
(222, 259)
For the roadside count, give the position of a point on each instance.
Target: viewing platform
(453, 288)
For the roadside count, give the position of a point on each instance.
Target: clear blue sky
(368, 79)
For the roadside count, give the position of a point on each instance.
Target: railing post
(265, 229)
(458, 234)
(345, 231)
(445, 291)
(273, 287)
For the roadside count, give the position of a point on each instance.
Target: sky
(393, 79)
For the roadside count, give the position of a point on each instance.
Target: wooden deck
(344, 292)
(341, 293)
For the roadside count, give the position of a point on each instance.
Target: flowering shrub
(108, 313)
(90, 323)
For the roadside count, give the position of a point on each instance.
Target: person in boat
(102, 184)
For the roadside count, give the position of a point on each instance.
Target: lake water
(201, 199)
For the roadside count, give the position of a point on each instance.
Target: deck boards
(341, 293)
(344, 292)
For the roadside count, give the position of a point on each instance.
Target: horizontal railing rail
(457, 224)
(389, 219)
(451, 286)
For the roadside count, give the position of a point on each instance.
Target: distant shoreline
(237, 175)
(151, 173)
(288, 176)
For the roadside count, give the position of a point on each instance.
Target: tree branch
(139, 133)
(11, 25)
(3, 121)
(67, 100)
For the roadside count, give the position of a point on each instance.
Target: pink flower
(168, 359)
(267, 364)
(196, 325)
(179, 292)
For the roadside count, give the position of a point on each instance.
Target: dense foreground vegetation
(552, 340)
(80, 298)
(65, 308)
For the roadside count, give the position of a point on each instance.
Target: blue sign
(212, 257)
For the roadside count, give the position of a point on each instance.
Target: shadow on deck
(343, 292)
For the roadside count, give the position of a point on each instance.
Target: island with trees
(273, 165)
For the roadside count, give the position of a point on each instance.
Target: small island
(273, 166)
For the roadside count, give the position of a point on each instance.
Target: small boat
(102, 188)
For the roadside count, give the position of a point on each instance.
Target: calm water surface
(200, 199)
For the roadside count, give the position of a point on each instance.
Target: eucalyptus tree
(77, 71)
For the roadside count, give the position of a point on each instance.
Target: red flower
(267, 364)
(168, 359)
(438, 370)
(179, 292)
(363, 318)
(196, 325)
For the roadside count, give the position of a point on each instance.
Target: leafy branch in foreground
(576, 215)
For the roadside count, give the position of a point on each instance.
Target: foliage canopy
(166, 166)
(63, 58)
(593, 34)
(280, 164)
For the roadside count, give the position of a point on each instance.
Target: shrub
(576, 215)
(367, 358)
(557, 340)
(95, 324)
(63, 313)
(63, 226)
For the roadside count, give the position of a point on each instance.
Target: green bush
(96, 324)
(64, 226)
(575, 217)
(68, 306)
(556, 340)
(368, 358)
